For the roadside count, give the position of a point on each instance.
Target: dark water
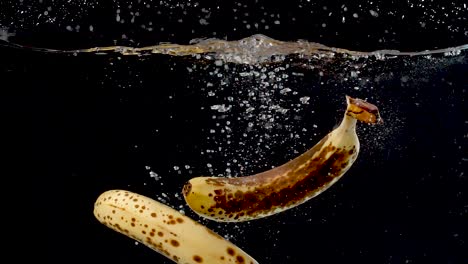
(149, 123)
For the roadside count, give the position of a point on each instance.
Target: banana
(165, 230)
(252, 197)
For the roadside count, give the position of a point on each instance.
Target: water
(150, 122)
(148, 118)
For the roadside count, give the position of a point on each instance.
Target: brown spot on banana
(165, 230)
(293, 183)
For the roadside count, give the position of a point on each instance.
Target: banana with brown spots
(165, 230)
(286, 186)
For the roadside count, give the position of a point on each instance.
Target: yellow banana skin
(165, 230)
(293, 183)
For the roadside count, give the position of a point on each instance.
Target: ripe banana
(165, 230)
(251, 197)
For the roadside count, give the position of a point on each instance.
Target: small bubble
(373, 13)
(305, 99)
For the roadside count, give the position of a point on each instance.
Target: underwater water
(147, 112)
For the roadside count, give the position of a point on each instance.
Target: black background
(402, 25)
(402, 202)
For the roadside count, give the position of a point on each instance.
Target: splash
(251, 50)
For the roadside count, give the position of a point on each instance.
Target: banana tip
(186, 189)
(363, 110)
